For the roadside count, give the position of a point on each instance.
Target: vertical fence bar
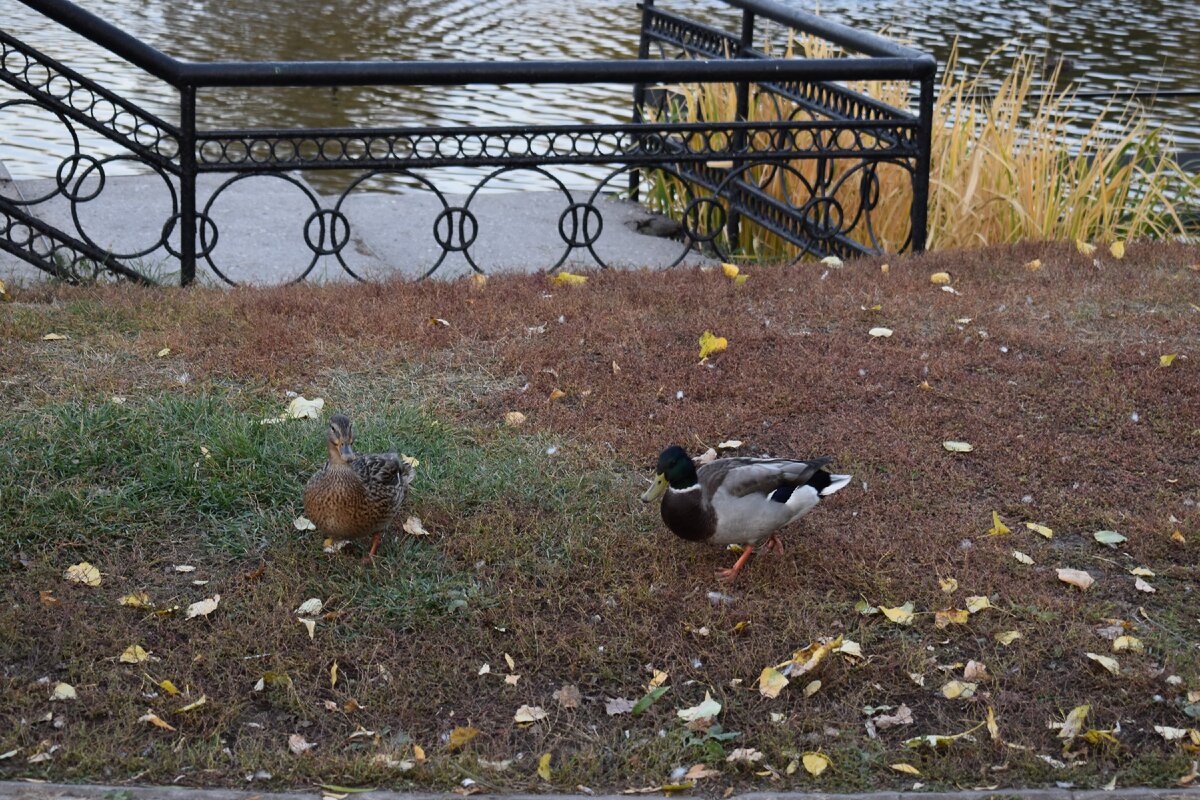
(187, 184)
(738, 143)
(920, 202)
(639, 90)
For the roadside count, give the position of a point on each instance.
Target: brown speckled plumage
(353, 496)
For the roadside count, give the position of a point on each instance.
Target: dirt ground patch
(540, 550)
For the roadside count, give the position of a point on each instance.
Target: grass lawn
(542, 564)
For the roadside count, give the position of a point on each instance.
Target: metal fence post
(187, 184)
(920, 202)
(639, 91)
(734, 223)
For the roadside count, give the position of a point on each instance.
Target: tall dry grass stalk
(1010, 162)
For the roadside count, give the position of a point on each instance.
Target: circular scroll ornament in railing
(559, 185)
(316, 245)
(453, 241)
(600, 189)
(82, 192)
(61, 180)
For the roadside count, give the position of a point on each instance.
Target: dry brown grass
(1046, 396)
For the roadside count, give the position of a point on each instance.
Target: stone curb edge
(20, 790)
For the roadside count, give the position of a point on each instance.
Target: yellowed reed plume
(1008, 164)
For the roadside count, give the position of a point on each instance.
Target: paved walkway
(262, 223)
(15, 790)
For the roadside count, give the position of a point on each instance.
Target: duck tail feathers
(836, 482)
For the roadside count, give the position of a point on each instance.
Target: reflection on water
(1103, 46)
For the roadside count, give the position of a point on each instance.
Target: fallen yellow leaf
(53, 337)
(1041, 530)
(907, 769)
(771, 682)
(514, 419)
(1128, 643)
(528, 714)
(1019, 556)
(1073, 724)
(303, 408)
(958, 447)
(63, 691)
(136, 600)
(134, 654)
(1076, 577)
(707, 708)
(956, 689)
(812, 688)
(556, 394)
(1117, 249)
(998, 527)
(953, 616)
(731, 270)
(1177, 536)
(168, 687)
(568, 279)
(880, 332)
(710, 344)
(949, 585)
(204, 607)
(1167, 360)
(1108, 662)
(84, 573)
(1034, 266)
(806, 660)
(901, 615)
(939, 278)
(193, 706)
(155, 720)
(543, 769)
(166, 351)
(977, 603)
(414, 527)
(461, 736)
(815, 763)
(884, 268)
(1084, 248)
(333, 671)
(1007, 637)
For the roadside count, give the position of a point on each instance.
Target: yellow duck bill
(656, 489)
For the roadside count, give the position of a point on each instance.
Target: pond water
(1140, 44)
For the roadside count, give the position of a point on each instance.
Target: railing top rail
(890, 61)
(447, 73)
(108, 36)
(871, 44)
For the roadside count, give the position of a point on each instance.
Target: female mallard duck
(738, 500)
(355, 495)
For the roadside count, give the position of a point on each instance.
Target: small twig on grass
(1141, 610)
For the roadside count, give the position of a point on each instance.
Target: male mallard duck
(355, 495)
(738, 500)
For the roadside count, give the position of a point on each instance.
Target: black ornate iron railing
(724, 164)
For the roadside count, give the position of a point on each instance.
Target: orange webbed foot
(370, 556)
(728, 575)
